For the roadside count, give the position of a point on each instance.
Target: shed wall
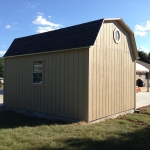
(111, 73)
(64, 92)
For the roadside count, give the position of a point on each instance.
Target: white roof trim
(112, 18)
(140, 68)
(120, 19)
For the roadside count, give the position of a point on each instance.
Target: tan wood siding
(111, 73)
(65, 88)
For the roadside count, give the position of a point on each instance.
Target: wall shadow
(139, 140)
(10, 119)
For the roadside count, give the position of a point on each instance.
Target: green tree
(1, 67)
(149, 57)
(144, 56)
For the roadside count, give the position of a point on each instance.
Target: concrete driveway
(142, 98)
(1, 97)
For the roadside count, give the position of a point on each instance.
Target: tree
(144, 56)
(1, 67)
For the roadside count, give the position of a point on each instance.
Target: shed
(84, 72)
(142, 74)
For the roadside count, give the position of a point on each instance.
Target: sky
(19, 18)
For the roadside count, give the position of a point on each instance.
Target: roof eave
(47, 52)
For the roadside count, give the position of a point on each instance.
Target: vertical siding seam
(26, 94)
(77, 111)
(73, 86)
(83, 110)
(96, 80)
(68, 87)
(88, 85)
(97, 93)
(64, 85)
(50, 83)
(92, 82)
(15, 84)
(106, 89)
(103, 87)
(115, 82)
(78, 88)
(47, 85)
(59, 64)
(88, 119)
(10, 84)
(51, 64)
(99, 83)
(55, 62)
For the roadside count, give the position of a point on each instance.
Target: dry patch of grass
(19, 132)
(145, 110)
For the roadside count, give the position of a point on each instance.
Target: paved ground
(144, 89)
(142, 98)
(1, 96)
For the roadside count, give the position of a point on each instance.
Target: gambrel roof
(66, 38)
(78, 36)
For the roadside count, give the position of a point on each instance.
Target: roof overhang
(140, 68)
(46, 52)
(120, 20)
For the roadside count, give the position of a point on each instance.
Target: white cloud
(12, 26)
(44, 25)
(3, 46)
(42, 21)
(143, 49)
(49, 16)
(2, 52)
(142, 29)
(44, 29)
(140, 33)
(7, 26)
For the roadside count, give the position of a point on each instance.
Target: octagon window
(117, 35)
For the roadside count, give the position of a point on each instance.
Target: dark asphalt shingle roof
(77, 36)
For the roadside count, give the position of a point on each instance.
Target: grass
(19, 132)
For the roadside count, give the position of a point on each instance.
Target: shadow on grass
(10, 119)
(139, 140)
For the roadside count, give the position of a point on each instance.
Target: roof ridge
(61, 28)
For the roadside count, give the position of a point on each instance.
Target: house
(142, 74)
(84, 72)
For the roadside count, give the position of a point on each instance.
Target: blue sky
(23, 18)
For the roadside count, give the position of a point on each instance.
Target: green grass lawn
(130, 132)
